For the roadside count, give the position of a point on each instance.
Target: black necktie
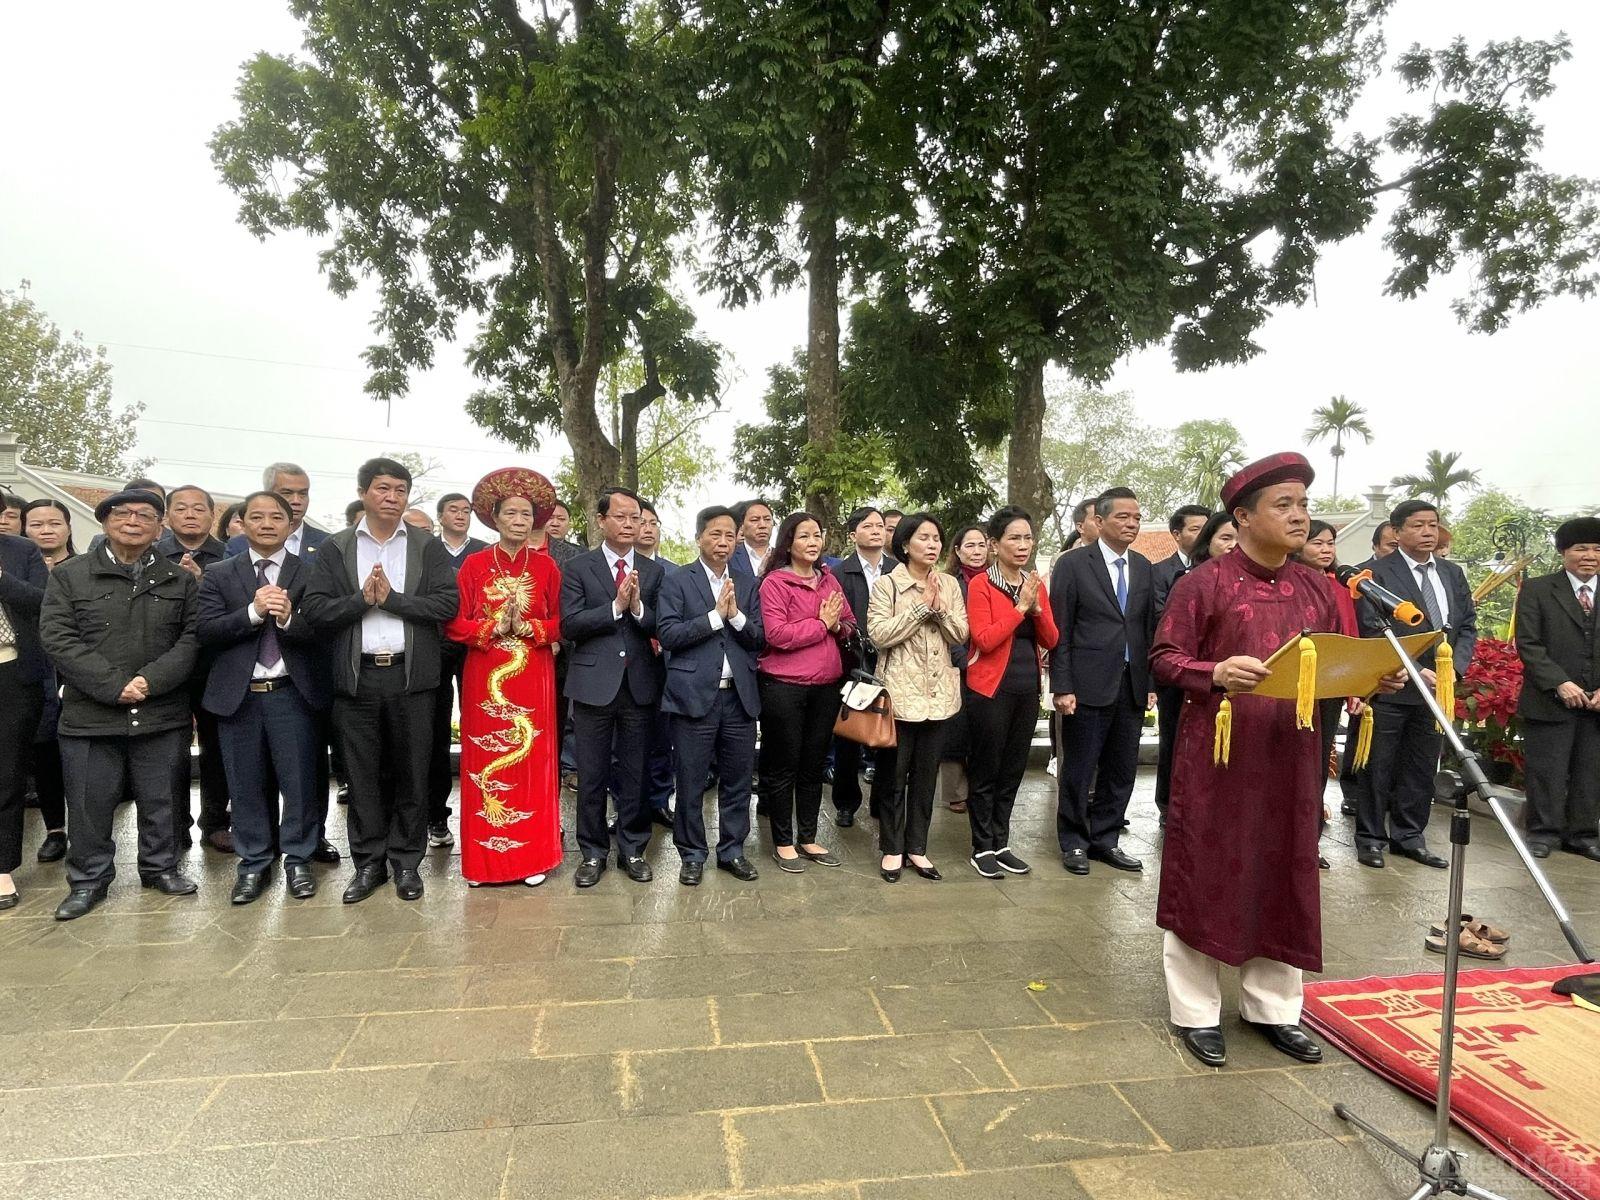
(1430, 598)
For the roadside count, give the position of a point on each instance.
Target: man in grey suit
(1392, 812)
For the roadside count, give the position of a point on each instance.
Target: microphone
(1362, 584)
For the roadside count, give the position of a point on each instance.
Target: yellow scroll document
(1325, 666)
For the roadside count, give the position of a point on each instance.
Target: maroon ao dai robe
(1239, 877)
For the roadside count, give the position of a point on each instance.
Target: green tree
(55, 395)
(485, 163)
(1207, 452)
(1338, 418)
(1440, 476)
(420, 467)
(1093, 440)
(1101, 176)
(1494, 528)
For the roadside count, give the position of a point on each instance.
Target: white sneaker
(533, 880)
(1050, 768)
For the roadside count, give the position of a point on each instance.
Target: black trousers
(1169, 706)
(441, 780)
(660, 768)
(847, 757)
(908, 810)
(269, 746)
(44, 764)
(385, 738)
(96, 770)
(1002, 734)
(725, 738)
(1563, 771)
(1395, 805)
(796, 725)
(612, 742)
(213, 775)
(21, 704)
(1099, 759)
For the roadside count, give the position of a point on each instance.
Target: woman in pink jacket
(804, 616)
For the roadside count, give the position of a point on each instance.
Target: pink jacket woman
(799, 647)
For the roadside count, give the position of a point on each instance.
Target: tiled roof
(1156, 544)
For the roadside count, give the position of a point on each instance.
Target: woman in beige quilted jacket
(915, 615)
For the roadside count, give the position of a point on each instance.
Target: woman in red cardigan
(1009, 615)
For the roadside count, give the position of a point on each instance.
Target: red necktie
(1584, 602)
(622, 573)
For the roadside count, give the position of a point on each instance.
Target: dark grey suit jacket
(1097, 637)
(1557, 643)
(1394, 572)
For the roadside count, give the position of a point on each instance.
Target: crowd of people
(306, 664)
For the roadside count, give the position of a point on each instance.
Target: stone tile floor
(823, 1035)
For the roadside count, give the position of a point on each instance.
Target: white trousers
(1269, 991)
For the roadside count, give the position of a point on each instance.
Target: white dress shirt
(1593, 584)
(739, 619)
(274, 563)
(382, 632)
(295, 540)
(757, 561)
(455, 551)
(873, 571)
(612, 559)
(1424, 578)
(1110, 556)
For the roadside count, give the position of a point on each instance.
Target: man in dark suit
(265, 687)
(1104, 605)
(455, 523)
(379, 592)
(188, 542)
(290, 481)
(608, 612)
(1185, 525)
(1392, 810)
(857, 572)
(23, 671)
(1560, 703)
(755, 537)
(709, 625)
(119, 624)
(661, 767)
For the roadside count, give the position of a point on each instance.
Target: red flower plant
(1487, 701)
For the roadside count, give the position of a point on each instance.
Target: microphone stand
(1440, 1168)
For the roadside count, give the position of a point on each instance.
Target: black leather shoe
(690, 874)
(1538, 850)
(740, 868)
(1347, 809)
(9, 900)
(1422, 855)
(928, 872)
(636, 868)
(1076, 861)
(367, 880)
(1370, 858)
(661, 817)
(589, 872)
(79, 902)
(325, 852)
(1205, 1043)
(53, 848)
(1590, 851)
(301, 880)
(844, 820)
(790, 866)
(170, 883)
(1115, 857)
(248, 887)
(1291, 1040)
(889, 876)
(407, 883)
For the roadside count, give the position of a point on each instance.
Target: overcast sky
(109, 205)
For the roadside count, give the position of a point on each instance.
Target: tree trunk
(820, 220)
(1027, 484)
(595, 459)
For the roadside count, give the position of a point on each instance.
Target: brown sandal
(1472, 946)
(1479, 928)
(958, 806)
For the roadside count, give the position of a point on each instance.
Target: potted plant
(1486, 701)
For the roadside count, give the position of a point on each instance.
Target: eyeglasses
(147, 515)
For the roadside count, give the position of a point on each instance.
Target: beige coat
(914, 644)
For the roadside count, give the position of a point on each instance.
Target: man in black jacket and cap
(119, 623)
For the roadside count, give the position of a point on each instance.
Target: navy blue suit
(614, 682)
(739, 562)
(713, 724)
(22, 684)
(310, 540)
(269, 738)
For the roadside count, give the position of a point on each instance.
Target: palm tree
(1208, 453)
(1438, 479)
(1338, 417)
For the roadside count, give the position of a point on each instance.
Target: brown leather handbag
(866, 712)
